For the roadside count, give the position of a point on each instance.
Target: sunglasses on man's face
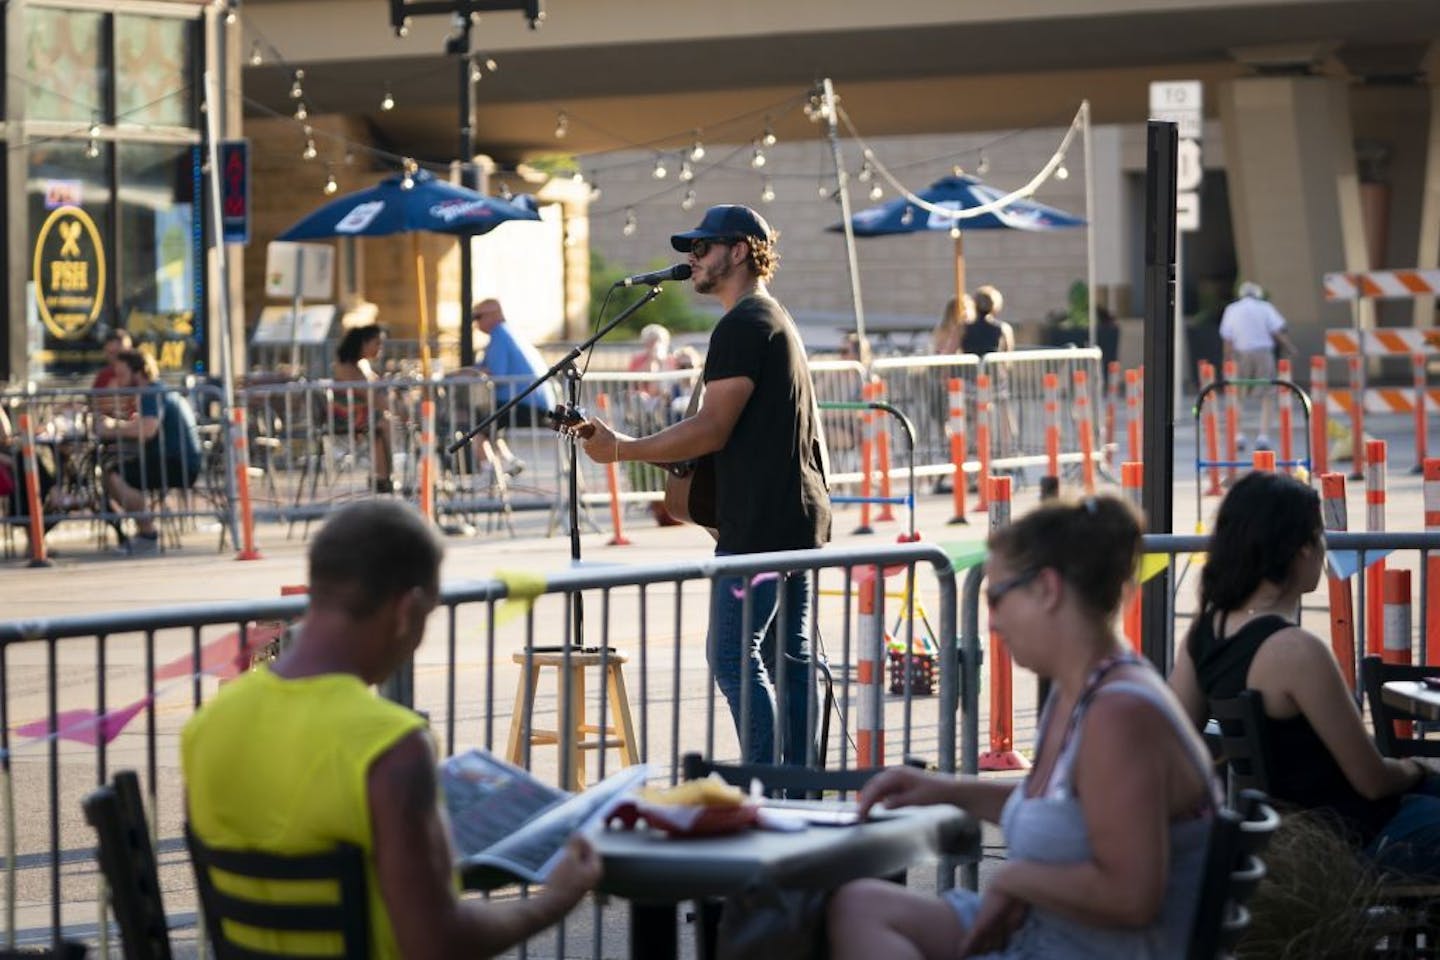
(699, 248)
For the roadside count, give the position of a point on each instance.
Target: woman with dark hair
(1107, 833)
(353, 409)
(1266, 552)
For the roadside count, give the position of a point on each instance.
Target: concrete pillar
(1294, 194)
(1428, 246)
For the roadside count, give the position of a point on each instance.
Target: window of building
(67, 73)
(155, 68)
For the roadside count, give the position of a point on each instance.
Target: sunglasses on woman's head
(997, 591)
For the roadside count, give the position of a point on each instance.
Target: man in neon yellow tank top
(301, 755)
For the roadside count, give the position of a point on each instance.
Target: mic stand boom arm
(557, 369)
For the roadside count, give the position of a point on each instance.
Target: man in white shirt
(1251, 328)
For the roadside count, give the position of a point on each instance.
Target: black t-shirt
(1302, 769)
(981, 337)
(770, 485)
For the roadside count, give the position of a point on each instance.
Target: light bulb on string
(865, 172)
(983, 167)
(505, 192)
(768, 138)
(296, 89)
(562, 125)
(876, 192)
(407, 181)
(476, 75)
(595, 191)
(231, 14)
(92, 149)
(332, 186)
(349, 158)
(578, 176)
(256, 57)
(757, 157)
(491, 65)
(697, 149)
(687, 173)
(659, 172)
(309, 153)
(387, 102)
(1062, 172)
(954, 231)
(688, 201)
(300, 111)
(631, 224)
(908, 217)
(767, 193)
(403, 30)
(957, 171)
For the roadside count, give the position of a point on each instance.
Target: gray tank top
(1051, 829)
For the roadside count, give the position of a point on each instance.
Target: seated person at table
(1107, 834)
(355, 358)
(1267, 551)
(948, 332)
(514, 363)
(114, 404)
(158, 445)
(300, 754)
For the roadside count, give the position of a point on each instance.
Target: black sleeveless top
(981, 337)
(1302, 770)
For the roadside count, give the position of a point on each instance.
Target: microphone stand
(565, 365)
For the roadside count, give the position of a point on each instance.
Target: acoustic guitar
(689, 484)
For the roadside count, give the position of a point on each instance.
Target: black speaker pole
(1158, 445)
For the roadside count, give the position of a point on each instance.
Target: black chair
(1242, 742)
(1233, 871)
(1374, 674)
(127, 861)
(348, 916)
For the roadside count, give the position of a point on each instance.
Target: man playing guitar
(759, 420)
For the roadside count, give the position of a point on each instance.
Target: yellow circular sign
(69, 278)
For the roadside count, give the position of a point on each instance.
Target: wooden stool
(619, 733)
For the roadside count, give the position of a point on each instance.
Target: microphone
(681, 271)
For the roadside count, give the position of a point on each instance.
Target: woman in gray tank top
(1107, 832)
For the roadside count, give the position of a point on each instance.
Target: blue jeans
(1409, 845)
(745, 659)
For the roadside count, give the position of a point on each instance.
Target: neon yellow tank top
(280, 765)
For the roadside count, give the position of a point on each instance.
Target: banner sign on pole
(235, 190)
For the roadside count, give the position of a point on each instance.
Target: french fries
(709, 792)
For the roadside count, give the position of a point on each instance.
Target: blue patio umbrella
(958, 193)
(427, 205)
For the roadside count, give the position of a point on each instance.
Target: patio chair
(1374, 674)
(1233, 871)
(127, 861)
(346, 917)
(1242, 742)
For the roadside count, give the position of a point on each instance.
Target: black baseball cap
(728, 221)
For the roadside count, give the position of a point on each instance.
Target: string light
(92, 149)
(697, 149)
(403, 30)
(562, 125)
(957, 171)
(659, 173)
(331, 184)
(865, 173)
(757, 157)
(769, 137)
(387, 102)
(407, 182)
(296, 90)
(309, 153)
(491, 65)
(876, 192)
(908, 217)
(230, 15)
(767, 193)
(595, 191)
(1062, 172)
(301, 112)
(983, 167)
(686, 172)
(688, 201)
(954, 232)
(631, 224)
(505, 193)
(256, 58)
(475, 73)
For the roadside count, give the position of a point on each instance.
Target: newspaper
(503, 819)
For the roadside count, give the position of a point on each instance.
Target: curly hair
(764, 256)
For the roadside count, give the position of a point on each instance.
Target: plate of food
(695, 808)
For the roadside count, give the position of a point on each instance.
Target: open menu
(503, 819)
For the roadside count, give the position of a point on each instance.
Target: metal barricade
(150, 670)
(1018, 439)
(920, 387)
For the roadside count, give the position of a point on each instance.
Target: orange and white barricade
(1132, 482)
(1287, 418)
(880, 421)
(1396, 648)
(1112, 403)
(240, 446)
(1357, 420)
(1263, 460)
(1001, 755)
(1133, 407)
(612, 480)
(1085, 424)
(1052, 425)
(870, 671)
(1335, 518)
(38, 557)
(1432, 563)
(1418, 365)
(1232, 418)
(1210, 415)
(982, 440)
(1319, 418)
(869, 421)
(957, 446)
(1375, 458)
